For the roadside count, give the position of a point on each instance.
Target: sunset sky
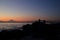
(29, 10)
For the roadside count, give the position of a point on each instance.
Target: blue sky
(35, 9)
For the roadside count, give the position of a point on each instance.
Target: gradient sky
(28, 10)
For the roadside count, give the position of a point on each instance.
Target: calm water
(11, 25)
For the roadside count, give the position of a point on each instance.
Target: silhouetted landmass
(38, 30)
(13, 21)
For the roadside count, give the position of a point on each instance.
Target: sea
(5, 26)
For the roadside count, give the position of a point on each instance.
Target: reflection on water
(11, 25)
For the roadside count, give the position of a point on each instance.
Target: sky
(29, 10)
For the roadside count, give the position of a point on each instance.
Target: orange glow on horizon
(23, 18)
(17, 18)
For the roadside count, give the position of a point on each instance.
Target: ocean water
(11, 25)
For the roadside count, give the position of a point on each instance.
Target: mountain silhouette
(38, 30)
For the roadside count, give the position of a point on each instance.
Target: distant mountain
(12, 21)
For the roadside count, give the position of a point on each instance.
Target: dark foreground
(36, 31)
